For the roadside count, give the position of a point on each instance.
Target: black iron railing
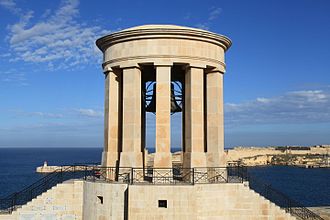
(165, 176)
(161, 176)
(125, 175)
(190, 176)
(289, 205)
(109, 174)
(168, 176)
(17, 199)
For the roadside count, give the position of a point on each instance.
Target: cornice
(152, 58)
(163, 32)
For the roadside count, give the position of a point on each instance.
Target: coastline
(302, 157)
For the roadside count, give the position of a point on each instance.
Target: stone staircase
(268, 210)
(238, 202)
(63, 201)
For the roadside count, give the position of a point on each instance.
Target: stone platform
(98, 200)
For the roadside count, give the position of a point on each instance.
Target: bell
(175, 107)
(151, 107)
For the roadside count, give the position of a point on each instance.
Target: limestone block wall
(63, 201)
(209, 201)
(104, 201)
(143, 202)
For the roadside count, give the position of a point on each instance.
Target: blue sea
(18, 165)
(311, 187)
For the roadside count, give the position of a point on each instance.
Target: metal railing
(125, 175)
(289, 205)
(160, 176)
(188, 176)
(168, 176)
(109, 174)
(17, 199)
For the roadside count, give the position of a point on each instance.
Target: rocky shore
(308, 157)
(323, 211)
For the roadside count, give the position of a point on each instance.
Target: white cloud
(203, 26)
(312, 96)
(214, 14)
(90, 112)
(66, 114)
(45, 114)
(10, 5)
(305, 106)
(57, 38)
(14, 76)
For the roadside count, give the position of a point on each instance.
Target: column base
(163, 160)
(131, 159)
(216, 159)
(194, 159)
(109, 159)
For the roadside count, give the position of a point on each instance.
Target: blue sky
(277, 85)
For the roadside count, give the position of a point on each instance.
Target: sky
(276, 88)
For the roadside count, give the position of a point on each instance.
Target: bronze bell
(175, 107)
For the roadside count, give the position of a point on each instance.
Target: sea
(311, 187)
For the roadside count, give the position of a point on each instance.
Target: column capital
(196, 66)
(214, 70)
(169, 64)
(163, 66)
(107, 69)
(123, 65)
(136, 66)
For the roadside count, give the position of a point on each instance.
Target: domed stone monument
(163, 69)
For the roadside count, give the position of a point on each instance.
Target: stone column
(194, 155)
(163, 157)
(111, 118)
(215, 123)
(131, 155)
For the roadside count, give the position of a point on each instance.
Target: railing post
(247, 174)
(131, 176)
(14, 202)
(93, 173)
(30, 194)
(289, 206)
(61, 175)
(193, 176)
(240, 173)
(85, 173)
